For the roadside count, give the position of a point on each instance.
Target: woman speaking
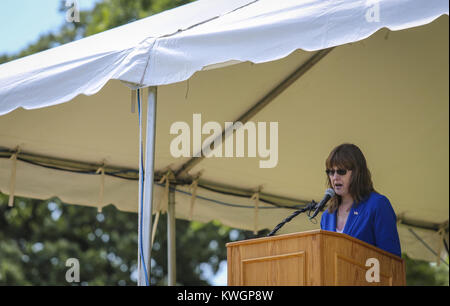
(357, 209)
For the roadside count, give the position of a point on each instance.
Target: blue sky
(22, 21)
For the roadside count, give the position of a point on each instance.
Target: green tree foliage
(111, 13)
(37, 237)
(106, 15)
(423, 273)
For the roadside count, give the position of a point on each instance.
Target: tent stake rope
(100, 204)
(171, 239)
(193, 189)
(12, 184)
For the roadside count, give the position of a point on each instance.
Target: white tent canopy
(373, 73)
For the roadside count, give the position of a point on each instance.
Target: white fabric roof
(158, 51)
(385, 91)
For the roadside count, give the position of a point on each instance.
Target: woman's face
(339, 181)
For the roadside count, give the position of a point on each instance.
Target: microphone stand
(310, 207)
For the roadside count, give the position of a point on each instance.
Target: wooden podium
(313, 258)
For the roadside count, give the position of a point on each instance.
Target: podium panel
(268, 270)
(312, 258)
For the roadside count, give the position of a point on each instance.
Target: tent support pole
(145, 223)
(171, 238)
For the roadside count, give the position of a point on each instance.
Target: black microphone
(329, 193)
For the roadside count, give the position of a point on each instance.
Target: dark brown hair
(349, 156)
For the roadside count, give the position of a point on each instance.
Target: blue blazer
(373, 221)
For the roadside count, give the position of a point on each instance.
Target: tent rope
(162, 204)
(12, 183)
(100, 203)
(193, 188)
(441, 235)
(255, 197)
(164, 199)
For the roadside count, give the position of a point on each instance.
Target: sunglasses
(338, 171)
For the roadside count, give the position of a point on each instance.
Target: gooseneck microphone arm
(308, 207)
(329, 193)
